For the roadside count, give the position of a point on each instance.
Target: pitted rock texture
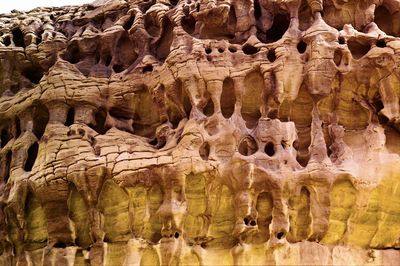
(190, 132)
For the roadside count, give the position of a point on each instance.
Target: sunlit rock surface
(190, 132)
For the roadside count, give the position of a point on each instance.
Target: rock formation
(195, 132)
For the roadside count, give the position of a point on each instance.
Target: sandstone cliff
(195, 132)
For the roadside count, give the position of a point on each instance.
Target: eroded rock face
(201, 133)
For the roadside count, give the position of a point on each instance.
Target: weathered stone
(201, 133)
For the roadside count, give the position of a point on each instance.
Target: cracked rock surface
(193, 132)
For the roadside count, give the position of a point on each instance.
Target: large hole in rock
(32, 154)
(72, 54)
(5, 137)
(358, 49)
(247, 146)
(209, 108)
(249, 49)
(271, 56)
(337, 57)
(204, 151)
(301, 47)
(7, 41)
(34, 74)
(252, 100)
(146, 117)
(264, 208)
(270, 149)
(18, 37)
(5, 171)
(278, 28)
(17, 128)
(100, 119)
(126, 55)
(40, 120)
(70, 117)
(299, 216)
(188, 24)
(164, 43)
(384, 19)
(151, 26)
(129, 23)
(178, 104)
(228, 98)
(35, 229)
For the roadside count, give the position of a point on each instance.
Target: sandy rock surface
(198, 132)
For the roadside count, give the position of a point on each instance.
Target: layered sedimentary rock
(201, 133)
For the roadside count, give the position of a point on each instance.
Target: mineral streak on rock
(198, 132)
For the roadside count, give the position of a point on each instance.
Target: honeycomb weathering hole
(32, 154)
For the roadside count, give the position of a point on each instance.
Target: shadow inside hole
(280, 235)
(269, 149)
(32, 155)
(204, 151)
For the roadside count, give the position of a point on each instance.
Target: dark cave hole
(232, 49)
(208, 50)
(378, 106)
(176, 235)
(81, 132)
(271, 56)
(188, 24)
(249, 49)
(337, 57)
(5, 137)
(280, 235)
(17, 127)
(14, 88)
(384, 20)
(148, 68)
(246, 221)
(381, 43)
(18, 37)
(253, 223)
(7, 167)
(40, 120)
(342, 40)
(73, 54)
(153, 142)
(118, 68)
(221, 50)
(100, 119)
(301, 47)
(34, 74)
(358, 49)
(129, 23)
(165, 41)
(257, 9)
(278, 28)
(204, 151)
(209, 108)
(228, 98)
(247, 146)
(60, 245)
(70, 117)
(39, 37)
(32, 154)
(107, 60)
(7, 41)
(269, 149)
